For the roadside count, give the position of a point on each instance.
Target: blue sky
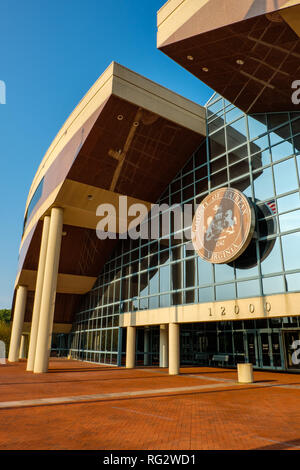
(51, 54)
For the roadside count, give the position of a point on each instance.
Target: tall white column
(49, 291)
(38, 294)
(174, 354)
(22, 354)
(18, 322)
(146, 346)
(163, 346)
(130, 347)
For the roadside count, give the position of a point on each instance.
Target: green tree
(5, 332)
(5, 315)
(5, 327)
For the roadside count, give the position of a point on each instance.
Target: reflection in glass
(273, 285)
(272, 263)
(289, 221)
(236, 133)
(153, 302)
(164, 279)
(205, 272)
(276, 119)
(293, 282)
(190, 277)
(257, 125)
(248, 288)
(285, 176)
(285, 149)
(176, 276)
(280, 135)
(153, 281)
(263, 184)
(223, 273)
(217, 143)
(206, 294)
(287, 203)
(164, 300)
(296, 126)
(225, 292)
(290, 248)
(219, 179)
(246, 272)
(216, 106)
(232, 114)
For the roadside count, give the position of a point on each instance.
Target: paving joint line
(105, 396)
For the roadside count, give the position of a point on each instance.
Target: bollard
(245, 373)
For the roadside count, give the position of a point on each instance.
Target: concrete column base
(22, 353)
(163, 346)
(245, 373)
(174, 354)
(130, 347)
(17, 325)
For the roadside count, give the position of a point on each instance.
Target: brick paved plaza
(86, 406)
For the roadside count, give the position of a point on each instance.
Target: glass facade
(256, 154)
(33, 202)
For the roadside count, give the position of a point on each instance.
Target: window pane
(205, 272)
(232, 114)
(272, 263)
(263, 184)
(289, 221)
(206, 294)
(257, 125)
(248, 288)
(225, 292)
(290, 247)
(285, 176)
(293, 282)
(223, 273)
(273, 285)
(285, 149)
(288, 203)
(164, 279)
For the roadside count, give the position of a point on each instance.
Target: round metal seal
(223, 226)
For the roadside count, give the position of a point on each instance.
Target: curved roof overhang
(128, 136)
(248, 51)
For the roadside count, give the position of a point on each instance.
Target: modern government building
(221, 285)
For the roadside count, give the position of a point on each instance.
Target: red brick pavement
(264, 415)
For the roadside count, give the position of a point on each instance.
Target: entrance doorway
(265, 349)
(291, 345)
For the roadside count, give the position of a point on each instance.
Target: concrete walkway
(86, 406)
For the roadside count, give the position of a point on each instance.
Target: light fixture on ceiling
(190, 57)
(240, 62)
(135, 124)
(120, 117)
(64, 234)
(204, 69)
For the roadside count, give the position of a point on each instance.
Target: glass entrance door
(291, 347)
(270, 350)
(252, 348)
(265, 349)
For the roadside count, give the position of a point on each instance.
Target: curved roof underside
(128, 136)
(248, 51)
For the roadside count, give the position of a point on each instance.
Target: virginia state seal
(223, 226)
